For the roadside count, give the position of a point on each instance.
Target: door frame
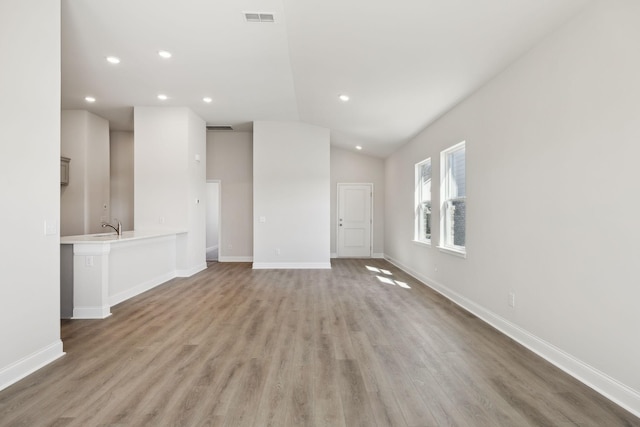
(339, 185)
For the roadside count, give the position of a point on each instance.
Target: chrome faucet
(118, 230)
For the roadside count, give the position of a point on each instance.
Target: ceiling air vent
(219, 127)
(258, 17)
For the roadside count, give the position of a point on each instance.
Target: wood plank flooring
(233, 346)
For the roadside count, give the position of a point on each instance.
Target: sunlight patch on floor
(387, 280)
(393, 282)
(379, 270)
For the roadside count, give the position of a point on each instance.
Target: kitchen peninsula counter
(98, 271)
(114, 238)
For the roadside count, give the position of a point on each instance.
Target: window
(423, 202)
(453, 194)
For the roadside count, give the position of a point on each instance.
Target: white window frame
(420, 201)
(446, 179)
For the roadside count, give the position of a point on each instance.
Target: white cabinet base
(108, 270)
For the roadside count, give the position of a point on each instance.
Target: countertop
(114, 238)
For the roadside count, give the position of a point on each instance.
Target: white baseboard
(101, 312)
(292, 265)
(142, 287)
(212, 248)
(610, 388)
(191, 271)
(235, 259)
(28, 365)
(375, 255)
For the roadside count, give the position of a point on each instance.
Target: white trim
(141, 288)
(379, 255)
(612, 389)
(235, 259)
(445, 197)
(455, 147)
(418, 199)
(27, 365)
(422, 243)
(451, 251)
(100, 312)
(292, 265)
(191, 271)
(212, 248)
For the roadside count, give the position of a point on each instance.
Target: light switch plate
(50, 227)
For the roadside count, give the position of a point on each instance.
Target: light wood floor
(236, 347)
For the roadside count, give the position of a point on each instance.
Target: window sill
(451, 251)
(422, 243)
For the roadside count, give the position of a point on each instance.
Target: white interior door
(354, 220)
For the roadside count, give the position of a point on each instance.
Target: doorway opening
(213, 196)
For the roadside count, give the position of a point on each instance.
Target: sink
(101, 236)
(106, 237)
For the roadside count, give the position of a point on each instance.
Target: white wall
(72, 196)
(197, 185)
(168, 181)
(85, 140)
(160, 171)
(122, 164)
(552, 152)
(230, 159)
(350, 167)
(291, 190)
(29, 184)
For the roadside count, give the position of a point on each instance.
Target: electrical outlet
(88, 261)
(277, 251)
(512, 300)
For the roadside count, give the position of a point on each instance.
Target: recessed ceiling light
(344, 98)
(207, 99)
(358, 147)
(165, 54)
(163, 97)
(113, 59)
(89, 99)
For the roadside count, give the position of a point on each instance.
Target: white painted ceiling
(403, 62)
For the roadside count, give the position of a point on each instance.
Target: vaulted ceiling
(403, 63)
